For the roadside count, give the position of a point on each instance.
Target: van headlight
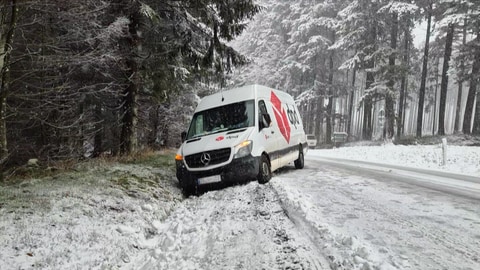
(243, 149)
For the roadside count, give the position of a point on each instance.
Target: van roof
(238, 94)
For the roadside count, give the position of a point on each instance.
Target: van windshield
(223, 118)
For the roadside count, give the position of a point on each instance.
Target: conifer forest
(82, 79)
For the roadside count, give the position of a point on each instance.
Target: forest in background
(353, 65)
(80, 79)
(88, 78)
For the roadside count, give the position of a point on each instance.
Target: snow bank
(460, 159)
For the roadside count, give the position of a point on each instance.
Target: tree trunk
(437, 64)
(476, 120)
(421, 94)
(330, 113)
(471, 94)
(129, 105)
(403, 85)
(367, 108)
(350, 103)
(444, 83)
(310, 114)
(6, 40)
(154, 126)
(329, 116)
(389, 97)
(98, 137)
(367, 129)
(467, 117)
(458, 124)
(319, 119)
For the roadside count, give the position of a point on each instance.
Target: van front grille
(207, 158)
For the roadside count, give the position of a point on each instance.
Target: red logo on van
(280, 116)
(219, 138)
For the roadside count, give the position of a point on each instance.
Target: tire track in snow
(240, 227)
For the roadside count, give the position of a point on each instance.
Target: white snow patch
(459, 159)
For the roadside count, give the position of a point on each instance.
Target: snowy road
(454, 183)
(326, 216)
(366, 217)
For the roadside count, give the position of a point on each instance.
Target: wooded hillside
(79, 79)
(85, 78)
(353, 65)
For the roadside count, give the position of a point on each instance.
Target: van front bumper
(239, 170)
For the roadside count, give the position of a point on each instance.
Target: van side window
(263, 116)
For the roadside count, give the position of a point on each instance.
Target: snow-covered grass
(95, 217)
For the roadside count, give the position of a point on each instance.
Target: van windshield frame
(223, 118)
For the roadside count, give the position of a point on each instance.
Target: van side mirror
(183, 135)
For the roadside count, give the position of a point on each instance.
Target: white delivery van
(240, 134)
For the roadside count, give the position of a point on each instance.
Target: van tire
(264, 172)
(300, 162)
(190, 190)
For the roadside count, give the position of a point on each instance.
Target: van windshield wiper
(194, 140)
(236, 130)
(217, 131)
(209, 132)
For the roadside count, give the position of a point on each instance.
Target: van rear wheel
(264, 173)
(300, 162)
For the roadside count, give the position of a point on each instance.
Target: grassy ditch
(91, 214)
(143, 175)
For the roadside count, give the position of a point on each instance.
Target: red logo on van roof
(280, 116)
(219, 138)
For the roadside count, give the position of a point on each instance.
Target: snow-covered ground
(459, 159)
(96, 218)
(377, 222)
(321, 217)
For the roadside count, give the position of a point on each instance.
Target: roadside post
(444, 151)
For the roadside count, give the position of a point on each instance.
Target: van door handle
(273, 132)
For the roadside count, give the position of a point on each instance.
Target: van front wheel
(191, 190)
(265, 172)
(300, 162)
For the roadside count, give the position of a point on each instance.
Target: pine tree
(392, 12)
